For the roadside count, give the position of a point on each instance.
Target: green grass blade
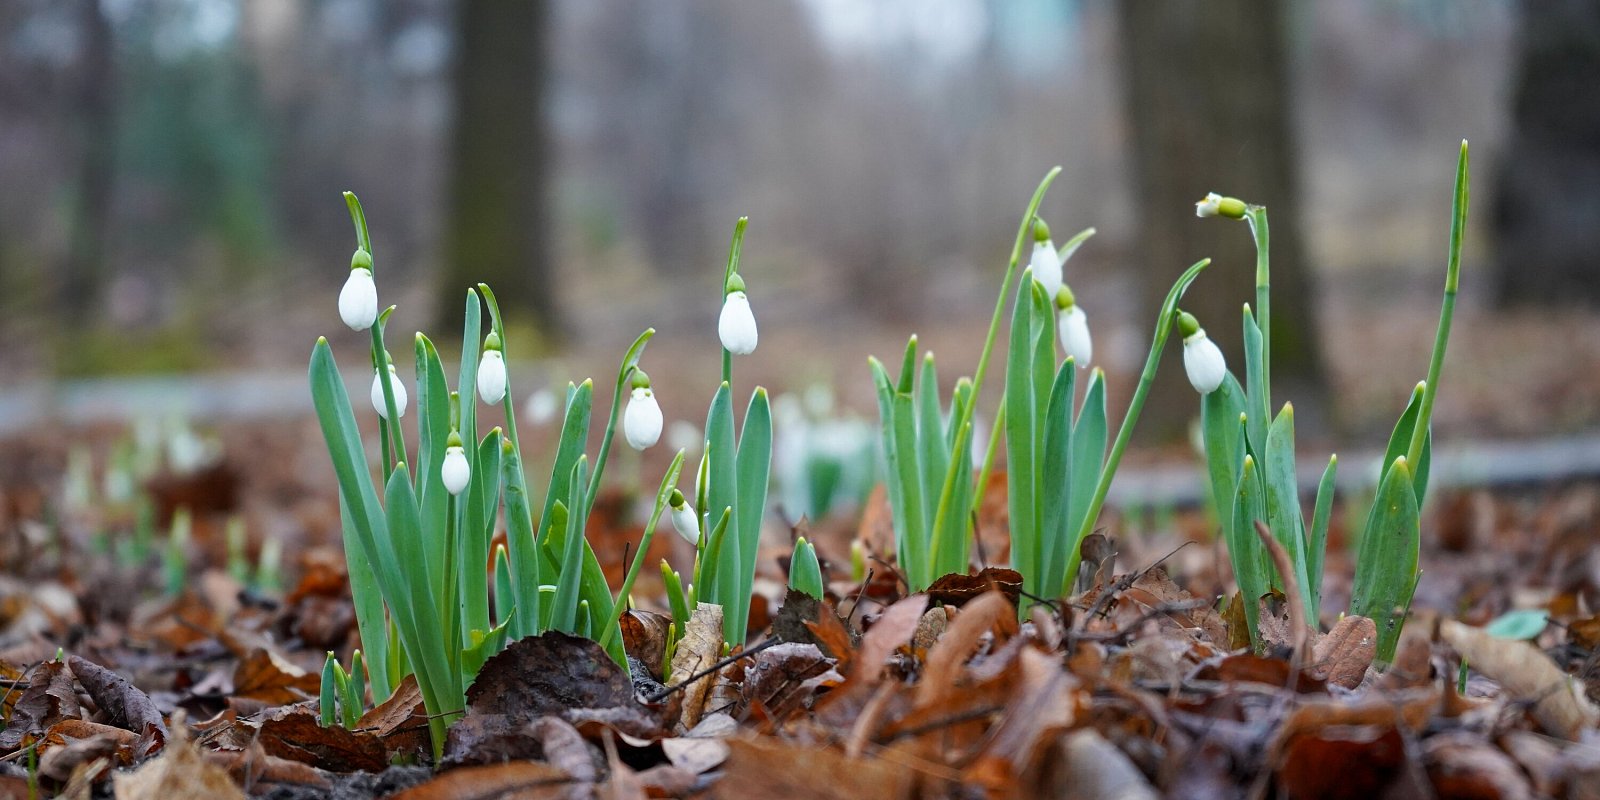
(368, 600)
(1400, 440)
(676, 600)
(523, 558)
(1251, 566)
(720, 576)
(1088, 459)
(570, 579)
(1056, 484)
(1219, 428)
(1020, 427)
(1255, 371)
(477, 529)
(1283, 504)
(933, 453)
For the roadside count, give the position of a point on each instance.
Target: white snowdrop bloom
(492, 371)
(395, 384)
(684, 520)
(1046, 267)
(737, 324)
(358, 300)
(455, 472)
(541, 407)
(1073, 326)
(641, 422)
(1202, 359)
(1215, 205)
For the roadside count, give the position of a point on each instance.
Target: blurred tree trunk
(1547, 197)
(84, 276)
(1207, 100)
(499, 229)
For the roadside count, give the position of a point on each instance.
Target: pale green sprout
(1251, 461)
(805, 572)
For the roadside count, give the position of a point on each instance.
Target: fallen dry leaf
(949, 655)
(516, 780)
(268, 677)
(698, 648)
(774, 768)
(123, 703)
(1084, 766)
(49, 698)
(957, 588)
(1527, 674)
(180, 771)
(1343, 654)
(294, 732)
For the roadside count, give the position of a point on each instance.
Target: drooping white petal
(358, 300)
(641, 422)
(1074, 329)
(399, 388)
(737, 325)
(492, 377)
(1202, 360)
(1046, 267)
(455, 472)
(686, 523)
(1209, 206)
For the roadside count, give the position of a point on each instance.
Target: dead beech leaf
(957, 588)
(1344, 653)
(266, 676)
(1154, 590)
(776, 678)
(698, 648)
(1464, 765)
(1527, 674)
(930, 628)
(1339, 762)
(893, 629)
(72, 743)
(254, 767)
(399, 719)
(644, 637)
(950, 653)
(549, 674)
(124, 704)
(180, 771)
(293, 732)
(695, 755)
(1043, 703)
(768, 767)
(518, 780)
(49, 699)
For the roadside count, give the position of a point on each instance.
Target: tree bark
(499, 230)
(84, 275)
(1206, 89)
(1547, 197)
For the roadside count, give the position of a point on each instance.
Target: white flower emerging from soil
(492, 371)
(455, 472)
(397, 386)
(684, 520)
(641, 422)
(737, 325)
(1046, 265)
(1073, 325)
(1202, 359)
(358, 300)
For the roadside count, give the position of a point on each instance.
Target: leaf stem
(1458, 224)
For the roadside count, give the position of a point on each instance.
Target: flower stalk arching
(1452, 278)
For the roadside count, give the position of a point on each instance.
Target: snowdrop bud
(455, 472)
(737, 325)
(358, 300)
(1045, 263)
(492, 371)
(1073, 326)
(1215, 205)
(397, 386)
(684, 520)
(641, 423)
(1202, 359)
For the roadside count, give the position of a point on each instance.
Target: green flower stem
(630, 362)
(1257, 217)
(734, 250)
(1005, 292)
(1458, 224)
(499, 328)
(663, 494)
(989, 454)
(358, 217)
(380, 363)
(1163, 328)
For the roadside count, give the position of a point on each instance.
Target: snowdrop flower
(397, 386)
(737, 325)
(541, 407)
(1045, 263)
(684, 520)
(358, 300)
(1202, 359)
(492, 371)
(1073, 326)
(455, 472)
(641, 422)
(1215, 205)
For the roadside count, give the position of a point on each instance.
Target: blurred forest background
(170, 174)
